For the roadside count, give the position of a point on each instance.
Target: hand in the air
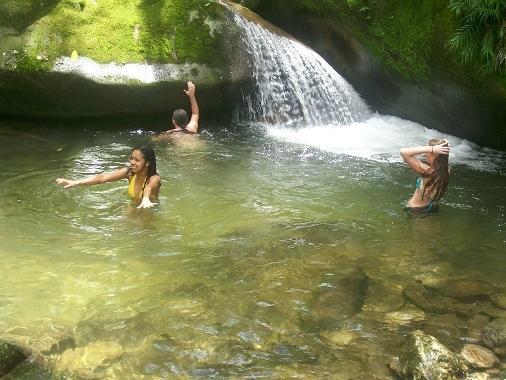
(191, 89)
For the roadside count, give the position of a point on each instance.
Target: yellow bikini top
(131, 187)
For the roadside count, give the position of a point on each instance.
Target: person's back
(434, 173)
(183, 126)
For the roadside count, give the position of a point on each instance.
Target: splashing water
(293, 84)
(300, 98)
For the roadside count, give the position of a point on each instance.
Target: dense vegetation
(481, 35)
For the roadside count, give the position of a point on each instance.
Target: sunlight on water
(264, 258)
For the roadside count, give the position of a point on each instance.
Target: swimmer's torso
(136, 186)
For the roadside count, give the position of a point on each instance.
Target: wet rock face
(424, 357)
(133, 70)
(336, 300)
(10, 356)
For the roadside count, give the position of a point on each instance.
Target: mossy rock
(167, 31)
(164, 43)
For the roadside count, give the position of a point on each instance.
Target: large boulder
(66, 58)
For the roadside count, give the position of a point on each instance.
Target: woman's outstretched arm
(94, 179)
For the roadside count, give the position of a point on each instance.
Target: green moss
(187, 30)
(172, 31)
(28, 63)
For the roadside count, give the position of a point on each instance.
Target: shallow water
(252, 224)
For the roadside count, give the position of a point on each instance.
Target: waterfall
(293, 85)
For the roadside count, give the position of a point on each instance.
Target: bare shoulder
(164, 136)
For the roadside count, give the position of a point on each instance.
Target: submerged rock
(39, 344)
(431, 301)
(478, 356)
(460, 288)
(478, 376)
(89, 361)
(336, 301)
(499, 300)
(339, 338)
(404, 317)
(424, 357)
(494, 336)
(10, 356)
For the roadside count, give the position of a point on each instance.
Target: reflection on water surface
(263, 258)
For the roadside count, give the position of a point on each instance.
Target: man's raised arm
(193, 125)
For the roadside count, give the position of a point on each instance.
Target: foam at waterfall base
(380, 138)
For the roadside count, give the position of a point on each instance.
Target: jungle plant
(481, 34)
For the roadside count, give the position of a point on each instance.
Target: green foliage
(481, 34)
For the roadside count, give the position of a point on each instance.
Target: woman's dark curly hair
(149, 155)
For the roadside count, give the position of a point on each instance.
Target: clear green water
(217, 279)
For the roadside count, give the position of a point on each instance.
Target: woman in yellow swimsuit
(434, 173)
(143, 180)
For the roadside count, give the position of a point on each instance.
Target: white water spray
(294, 85)
(301, 99)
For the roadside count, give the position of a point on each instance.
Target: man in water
(180, 117)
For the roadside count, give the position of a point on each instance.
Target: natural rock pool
(273, 253)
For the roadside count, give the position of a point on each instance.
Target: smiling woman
(144, 181)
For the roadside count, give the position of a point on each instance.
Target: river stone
(463, 288)
(336, 301)
(89, 361)
(339, 338)
(10, 356)
(491, 311)
(494, 334)
(478, 356)
(404, 317)
(432, 301)
(478, 376)
(499, 300)
(423, 357)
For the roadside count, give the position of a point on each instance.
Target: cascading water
(302, 99)
(293, 84)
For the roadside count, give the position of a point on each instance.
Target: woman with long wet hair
(143, 179)
(434, 173)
